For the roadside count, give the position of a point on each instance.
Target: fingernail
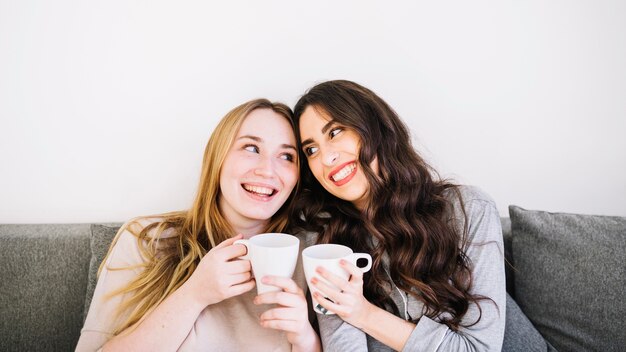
(265, 280)
(320, 270)
(342, 262)
(314, 280)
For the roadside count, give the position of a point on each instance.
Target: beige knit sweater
(231, 325)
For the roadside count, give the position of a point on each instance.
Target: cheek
(224, 175)
(354, 147)
(228, 166)
(315, 167)
(290, 175)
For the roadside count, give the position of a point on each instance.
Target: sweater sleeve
(339, 336)
(122, 266)
(486, 253)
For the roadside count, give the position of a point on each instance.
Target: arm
(166, 326)
(215, 279)
(339, 336)
(486, 254)
(357, 311)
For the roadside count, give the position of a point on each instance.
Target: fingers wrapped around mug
(340, 296)
(291, 294)
(291, 313)
(356, 273)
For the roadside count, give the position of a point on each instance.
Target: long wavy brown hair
(408, 213)
(170, 260)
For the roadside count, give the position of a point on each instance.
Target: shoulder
(469, 194)
(474, 209)
(136, 225)
(148, 229)
(469, 199)
(132, 246)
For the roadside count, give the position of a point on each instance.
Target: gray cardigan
(486, 253)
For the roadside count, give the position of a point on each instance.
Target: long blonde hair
(170, 260)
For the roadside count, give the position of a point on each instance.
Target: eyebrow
(326, 127)
(260, 140)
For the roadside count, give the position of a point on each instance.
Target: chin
(261, 215)
(352, 197)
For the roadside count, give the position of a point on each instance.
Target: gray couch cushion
(42, 286)
(101, 238)
(570, 277)
(519, 333)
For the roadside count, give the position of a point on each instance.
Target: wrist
(366, 316)
(309, 341)
(193, 295)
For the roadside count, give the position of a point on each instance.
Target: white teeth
(343, 173)
(258, 189)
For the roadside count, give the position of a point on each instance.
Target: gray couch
(566, 272)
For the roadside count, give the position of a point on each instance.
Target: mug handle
(245, 243)
(355, 256)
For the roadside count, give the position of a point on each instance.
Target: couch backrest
(43, 279)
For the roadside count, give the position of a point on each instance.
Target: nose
(265, 168)
(330, 157)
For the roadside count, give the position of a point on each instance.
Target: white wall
(106, 106)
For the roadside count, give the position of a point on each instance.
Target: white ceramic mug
(271, 254)
(328, 257)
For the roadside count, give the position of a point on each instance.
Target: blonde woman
(173, 281)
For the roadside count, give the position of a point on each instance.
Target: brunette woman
(437, 281)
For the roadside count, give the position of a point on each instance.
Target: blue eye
(310, 150)
(251, 148)
(288, 157)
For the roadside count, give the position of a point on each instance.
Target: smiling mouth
(259, 190)
(343, 172)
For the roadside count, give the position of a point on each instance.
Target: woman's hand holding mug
(336, 283)
(220, 275)
(343, 297)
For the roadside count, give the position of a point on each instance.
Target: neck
(360, 204)
(241, 224)
(248, 228)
